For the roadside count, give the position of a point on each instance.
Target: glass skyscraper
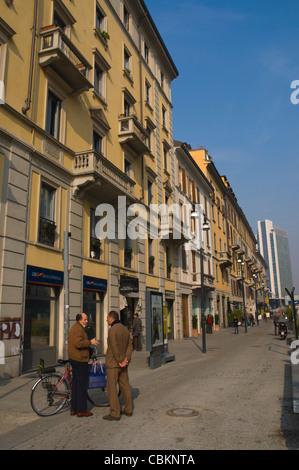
(274, 247)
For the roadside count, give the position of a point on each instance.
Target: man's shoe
(86, 414)
(111, 418)
(125, 413)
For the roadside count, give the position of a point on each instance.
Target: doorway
(40, 326)
(93, 308)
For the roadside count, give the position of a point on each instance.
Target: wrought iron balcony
(59, 53)
(46, 231)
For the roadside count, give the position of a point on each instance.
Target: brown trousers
(119, 375)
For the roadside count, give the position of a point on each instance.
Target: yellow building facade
(238, 266)
(85, 133)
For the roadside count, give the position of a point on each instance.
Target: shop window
(40, 315)
(93, 307)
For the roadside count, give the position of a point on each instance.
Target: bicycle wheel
(98, 396)
(49, 394)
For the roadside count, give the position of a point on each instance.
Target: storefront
(129, 292)
(41, 316)
(94, 290)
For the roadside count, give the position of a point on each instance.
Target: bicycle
(52, 391)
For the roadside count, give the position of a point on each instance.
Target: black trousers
(79, 386)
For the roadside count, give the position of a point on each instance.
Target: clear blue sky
(237, 60)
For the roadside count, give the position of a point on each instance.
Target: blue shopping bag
(97, 375)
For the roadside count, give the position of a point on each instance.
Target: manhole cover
(182, 412)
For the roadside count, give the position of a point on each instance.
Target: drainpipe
(28, 100)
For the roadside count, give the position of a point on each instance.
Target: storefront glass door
(40, 330)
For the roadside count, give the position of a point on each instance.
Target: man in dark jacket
(118, 356)
(78, 350)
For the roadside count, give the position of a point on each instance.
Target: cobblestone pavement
(241, 390)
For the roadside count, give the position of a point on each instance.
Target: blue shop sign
(93, 283)
(44, 276)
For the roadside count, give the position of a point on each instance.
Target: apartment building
(234, 247)
(193, 197)
(248, 268)
(85, 133)
(221, 252)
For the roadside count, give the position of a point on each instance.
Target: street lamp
(240, 260)
(205, 227)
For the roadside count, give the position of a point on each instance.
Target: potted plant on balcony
(194, 326)
(104, 34)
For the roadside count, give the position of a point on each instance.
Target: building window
(97, 142)
(101, 67)
(147, 92)
(127, 107)
(127, 61)
(151, 258)
(95, 243)
(165, 157)
(127, 168)
(164, 113)
(146, 53)
(53, 115)
(127, 253)
(99, 80)
(100, 19)
(46, 216)
(126, 19)
(149, 192)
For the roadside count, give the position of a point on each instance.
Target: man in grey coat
(118, 356)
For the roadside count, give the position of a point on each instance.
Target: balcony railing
(46, 231)
(91, 166)
(59, 53)
(224, 258)
(133, 134)
(174, 230)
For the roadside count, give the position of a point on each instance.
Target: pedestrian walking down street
(209, 324)
(78, 351)
(137, 328)
(236, 325)
(251, 319)
(118, 356)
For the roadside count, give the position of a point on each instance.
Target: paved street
(241, 390)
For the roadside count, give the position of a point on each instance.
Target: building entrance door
(40, 330)
(93, 307)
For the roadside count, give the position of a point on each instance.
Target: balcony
(224, 259)
(99, 178)
(208, 282)
(46, 231)
(59, 53)
(174, 230)
(133, 134)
